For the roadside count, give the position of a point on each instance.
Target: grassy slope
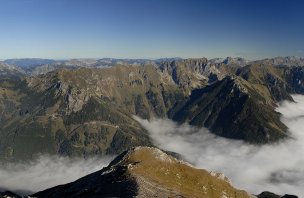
(84, 112)
(89, 111)
(148, 172)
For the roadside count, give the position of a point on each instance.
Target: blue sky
(151, 28)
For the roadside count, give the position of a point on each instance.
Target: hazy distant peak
(4, 67)
(237, 61)
(28, 62)
(283, 61)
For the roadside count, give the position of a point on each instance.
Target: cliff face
(233, 108)
(147, 172)
(88, 111)
(84, 112)
(295, 79)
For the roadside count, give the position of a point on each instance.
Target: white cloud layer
(46, 172)
(278, 168)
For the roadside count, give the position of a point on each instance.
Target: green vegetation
(148, 172)
(88, 111)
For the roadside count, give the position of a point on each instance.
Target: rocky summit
(148, 172)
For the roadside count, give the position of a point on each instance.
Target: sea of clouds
(47, 171)
(278, 168)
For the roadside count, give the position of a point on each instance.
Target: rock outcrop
(88, 111)
(147, 172)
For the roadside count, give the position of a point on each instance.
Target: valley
(90, 111)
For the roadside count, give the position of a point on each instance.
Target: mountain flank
(147, 172)
(84, 111)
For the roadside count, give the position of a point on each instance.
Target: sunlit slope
(88, 111)
(148, 172)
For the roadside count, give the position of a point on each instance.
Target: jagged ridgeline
(148, 172)
(83, 111)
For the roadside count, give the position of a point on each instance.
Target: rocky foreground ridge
(149, 172)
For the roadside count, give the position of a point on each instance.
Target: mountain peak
(148, 172)
(145, 154)
(235, 61)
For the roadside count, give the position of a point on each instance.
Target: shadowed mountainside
(147, 172)
(88, 111)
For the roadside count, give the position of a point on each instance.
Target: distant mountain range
(83, 111)
(29, 62)
(36, 66)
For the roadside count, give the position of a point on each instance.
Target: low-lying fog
(278, 168)
(46, 172)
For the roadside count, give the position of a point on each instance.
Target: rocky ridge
(35, 66)
(88, 111)
(147, 172)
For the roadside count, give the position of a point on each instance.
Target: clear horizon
(73, 29)
(65, 59)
